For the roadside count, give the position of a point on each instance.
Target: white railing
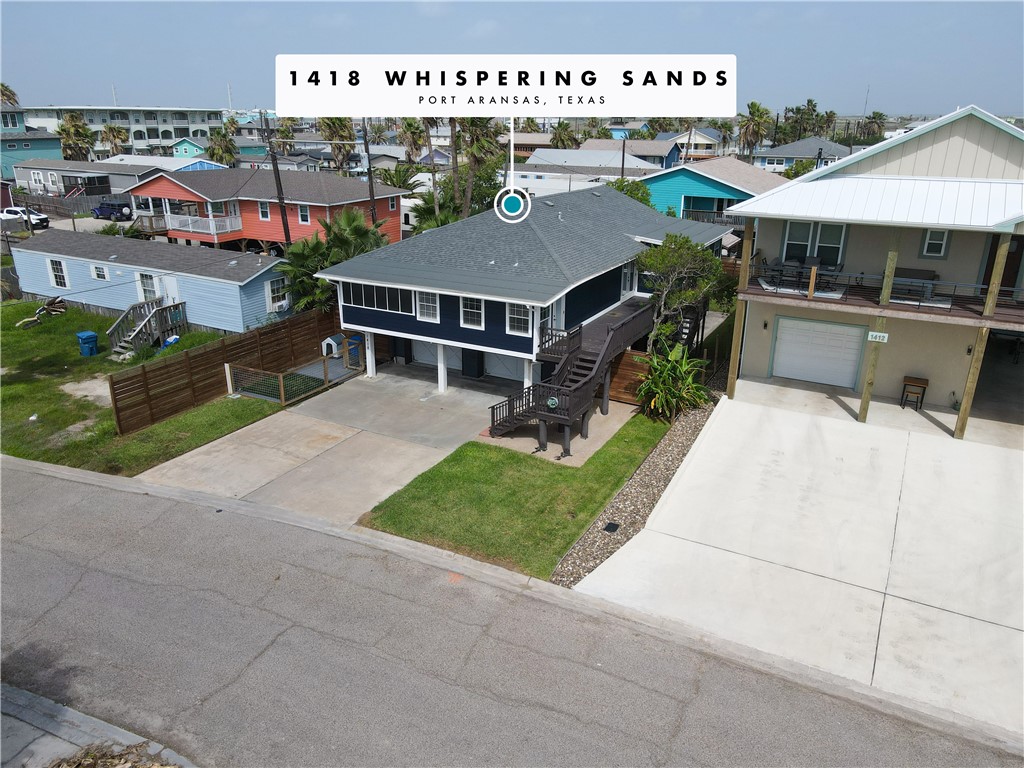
(206, 226)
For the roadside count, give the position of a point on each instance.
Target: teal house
(705, 188)
(23, 143)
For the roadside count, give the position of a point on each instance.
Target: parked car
(115, 211)
(39, 220)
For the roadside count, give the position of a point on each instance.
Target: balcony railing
(201, 225)
(795, 281)
(712, 217)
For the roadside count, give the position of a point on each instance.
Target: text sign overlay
(512, 85)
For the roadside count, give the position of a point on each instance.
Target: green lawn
(510, 508)
(38, 360)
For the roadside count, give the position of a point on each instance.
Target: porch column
(606, 395)
(998, 267)
(442, 370)
(973, 372)
(527, 373)
(876, 346)
(741, 309)
(371, 359)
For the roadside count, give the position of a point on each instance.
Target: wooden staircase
(145, 324)
(568, 395)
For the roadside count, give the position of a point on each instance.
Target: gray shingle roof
(566, 239)
(647, 147)
(247, 184)
(181, 259)
(84, 166)
(588, 158)
(743, 176)
(806, 148)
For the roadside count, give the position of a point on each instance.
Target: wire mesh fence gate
(289, 386)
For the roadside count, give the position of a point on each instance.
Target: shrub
(671, 384)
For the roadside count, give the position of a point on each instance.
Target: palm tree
(874, 124)
(830, 122)
(453, 128)
(400, 176)
(423, 211)
(411, 135)
(76, 140)
(377, 133)
(342, 134)
(754, 127)
(592, 124)
(604, 132)
(481, 145)
(662, 124)
(429, 124)
(562, 136)
(115, 137)
(7, 95)
(530, 126)
(231, 126)
(221, 147)
(286, 133)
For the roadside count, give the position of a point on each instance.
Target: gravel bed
(634, 503)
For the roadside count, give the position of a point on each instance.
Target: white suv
(39, 220)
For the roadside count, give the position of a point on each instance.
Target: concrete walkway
(37, 731)
(889, 557)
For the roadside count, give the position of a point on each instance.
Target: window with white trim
(10, 120)
(545, 316)
(798, 241)
(303, 214)
(264, 211)
(935, 242)
(58, 274)
(12, 145)
(277, 292)
(392, 203)
(517, 320)
(775, 162)
(215, 209)
(53, 179)
(472, 312)
(99, 272)
(829, 247)
(377, 297)
(426, 307)
(37, 177)
(147, 286)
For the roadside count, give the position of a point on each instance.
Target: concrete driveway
(336, 455)
(889, 557)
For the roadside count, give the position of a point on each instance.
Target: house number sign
(881, 338)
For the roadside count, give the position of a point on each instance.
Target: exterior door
(825, 353)
(503, 366)
(1013, 259)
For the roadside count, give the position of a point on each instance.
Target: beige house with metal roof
(894, 273)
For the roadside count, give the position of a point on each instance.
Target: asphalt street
(240, 640)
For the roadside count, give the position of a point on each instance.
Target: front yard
(512, 509)
(43, 422)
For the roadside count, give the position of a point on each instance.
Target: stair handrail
(120, 330)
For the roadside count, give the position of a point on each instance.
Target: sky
(914, 58)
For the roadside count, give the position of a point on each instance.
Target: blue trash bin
(88, 345)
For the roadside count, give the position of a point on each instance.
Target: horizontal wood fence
(148, 393)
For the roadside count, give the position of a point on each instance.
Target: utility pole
(369, 173)
(277, 181)
(622, 169)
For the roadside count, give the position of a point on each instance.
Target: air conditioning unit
(281, 306)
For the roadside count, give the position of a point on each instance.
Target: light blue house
(23, 143)
(621, 132)
(222, 290)
(707, 187)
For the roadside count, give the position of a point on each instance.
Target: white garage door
(821, 352)
(503, 366)
(426, 352)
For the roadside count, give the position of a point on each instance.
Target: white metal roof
(993, 204)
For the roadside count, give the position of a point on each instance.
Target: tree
(7, 95)
(480, 145)
(633, 188)
(221, 147)
(377, 133)
(400, 176)
(132, 231)
(345, 236)
(114, 136)
(429, 124)
(682, 275)
(754, 127)
(799, 168)
(286, 133)
(670, 386)
(592, 124)
(342, 135)
(874, 124)
(604, 132)
(231, 126)
(411, 136)
(562, 136)
(530, 126)
(76, 140)
(662, 124)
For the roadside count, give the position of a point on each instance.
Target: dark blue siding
(448, 330)
(591, 297)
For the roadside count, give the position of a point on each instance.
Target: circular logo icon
(512, 205)
(552, 402)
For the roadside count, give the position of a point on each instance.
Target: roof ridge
(563, 267)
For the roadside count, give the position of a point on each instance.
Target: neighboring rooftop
(154, 161)
(572, 159)
(729, 170)
(180, 259)
(84, 166)
(640, 147)
(805, 149)
(565, 239)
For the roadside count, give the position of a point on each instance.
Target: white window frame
(809, 242)
(771, 162)
(425, 317)
(392, 204)
(37, 177)
(264, 206)
(212, 209)
(303, 214)
(99, 272)
(508, 319)
(142, 287)
(462, 313)
(842, 242)
(53, 274)
(52, 175)
(352, 286)
(270, 292)
(928, 241)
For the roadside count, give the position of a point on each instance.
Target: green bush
(671, 384)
